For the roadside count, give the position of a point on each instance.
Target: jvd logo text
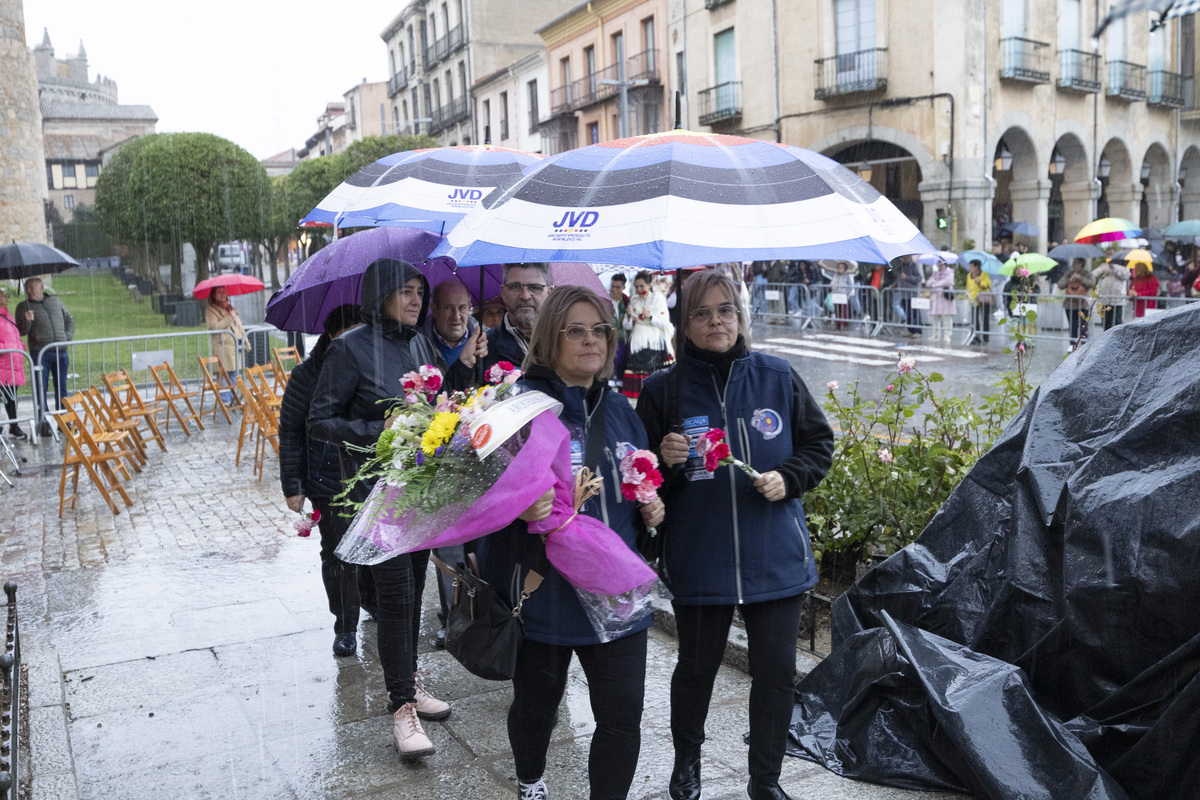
(577, 219)
(466, 194)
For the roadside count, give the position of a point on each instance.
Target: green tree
(183, 187)
(276, 225)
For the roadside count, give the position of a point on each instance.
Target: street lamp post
(623, 117)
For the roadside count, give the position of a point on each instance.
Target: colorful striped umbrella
(678, 199)
(1109, 229)
(430, 189)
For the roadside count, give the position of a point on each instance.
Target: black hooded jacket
(306, 466)
(366, 364)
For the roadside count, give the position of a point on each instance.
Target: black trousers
(983, 320)
(772, 629)
(1074, 318)
(616, 676)
(10, 401)
(1113, 315)
(399, 583)
(340, 578)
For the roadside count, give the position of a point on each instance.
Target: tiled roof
(72, 146)
(284, 159)
(61, 109)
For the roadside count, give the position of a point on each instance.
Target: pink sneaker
(410, 737)
(428, 706)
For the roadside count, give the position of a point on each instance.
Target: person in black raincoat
(362, 368)
(570, 358)
(310, 470)
(729, 541)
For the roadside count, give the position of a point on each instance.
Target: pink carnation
(906, 365)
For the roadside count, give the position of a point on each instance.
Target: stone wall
(22, 156)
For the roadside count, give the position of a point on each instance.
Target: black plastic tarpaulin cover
(1041, 638)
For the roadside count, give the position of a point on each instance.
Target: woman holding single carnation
(732, 540)
(570, 358)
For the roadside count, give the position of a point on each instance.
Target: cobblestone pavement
(182, 650)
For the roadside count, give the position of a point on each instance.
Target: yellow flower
(439, 432)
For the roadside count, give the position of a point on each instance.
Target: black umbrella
(27, 259)
(1065, 252)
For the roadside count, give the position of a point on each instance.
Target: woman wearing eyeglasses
(570, 358)
(730, 541)
(648, 321)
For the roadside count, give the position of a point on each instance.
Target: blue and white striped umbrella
(430, 189)
(680, 199)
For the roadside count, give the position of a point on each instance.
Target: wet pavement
(182, 650)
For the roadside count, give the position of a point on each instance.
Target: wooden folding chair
(265, 424)
(279, 355)
(127, 402)
(82, 450)
(249, 416)
(104, 419)
(172, 391)
(108, 441)
(222, 383)
(264, 387)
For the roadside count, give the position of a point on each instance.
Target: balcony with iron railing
(1078, 71)
(851, 73)
(1126, 81)
(560, 100)
(1166, 89)
(643, 66)
(1024, 60)
(444, 46)
(721, 103)
(454, 111)
(398, 82)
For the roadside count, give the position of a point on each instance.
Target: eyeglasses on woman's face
(577, 333)
(726, 312)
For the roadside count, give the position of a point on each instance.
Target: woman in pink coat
(12, 366)
(941, 301)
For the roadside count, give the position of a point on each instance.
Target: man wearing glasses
(524, 289)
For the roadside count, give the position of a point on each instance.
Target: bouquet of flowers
(713, 448)
(452, 467)
(640, 478)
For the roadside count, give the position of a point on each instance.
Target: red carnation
(433, 383)
(629, 491)
(315, 516)
(506, 366)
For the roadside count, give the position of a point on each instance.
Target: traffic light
(943, 221)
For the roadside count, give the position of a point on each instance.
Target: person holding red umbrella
(222, 316)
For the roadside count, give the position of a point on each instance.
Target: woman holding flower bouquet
(735, 535)
(570, 358)
(363, 368)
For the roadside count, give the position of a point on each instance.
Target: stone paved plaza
(182, 650)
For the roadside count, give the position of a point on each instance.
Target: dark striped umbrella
(430, 189)
(26, 259)
(679, 199)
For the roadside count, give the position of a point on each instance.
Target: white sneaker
(410, 738)
(532, 791)
(428, 706)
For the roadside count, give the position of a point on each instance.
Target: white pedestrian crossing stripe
(857, 350)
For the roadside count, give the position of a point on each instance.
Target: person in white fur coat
(651, 334)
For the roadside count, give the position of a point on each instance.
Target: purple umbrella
(333, 276)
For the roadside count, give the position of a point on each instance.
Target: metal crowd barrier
(89, 359)
(32, 380)
(10, 701)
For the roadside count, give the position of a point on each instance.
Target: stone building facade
(82, 124)
(510, 103)
(970, 116)
(22, 159)
(590, 50)
(437, 49)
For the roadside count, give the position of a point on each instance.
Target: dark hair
(620, 276)
(546, 340)
(644, 275)
(975, 262)
(341, 318)
(540, 266)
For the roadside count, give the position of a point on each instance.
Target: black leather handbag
(483, 632)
